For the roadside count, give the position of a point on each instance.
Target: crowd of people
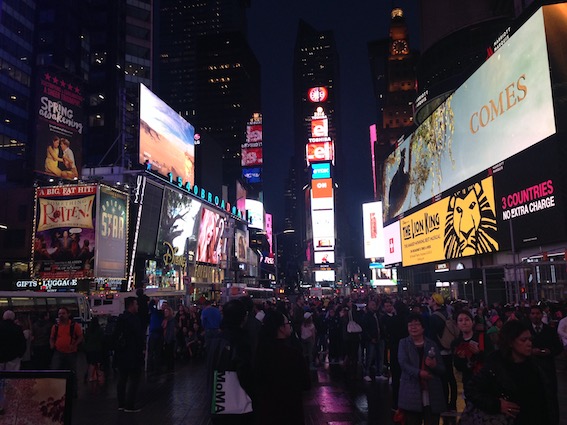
(500, 353)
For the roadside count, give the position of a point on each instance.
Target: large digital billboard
(251, 157)
(321, 171)
(456, 226)
(167, 141)
(64, 232)
(211, 244)
(241, 243)
(323, 225)
(252, 175)
(255, 214)
(393, 251)
(324, 257)
(178, 228)
(322, 194)
(503, 108)
(324, 275)
(319, 152)
(112, 234)
(59, 128)
(372, 230)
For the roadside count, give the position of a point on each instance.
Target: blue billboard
(321, 170)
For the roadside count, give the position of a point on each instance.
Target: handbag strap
(350, 316)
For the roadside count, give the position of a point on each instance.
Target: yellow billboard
(456, 226)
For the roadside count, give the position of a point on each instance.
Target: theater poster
(64, 232)
(59, 124)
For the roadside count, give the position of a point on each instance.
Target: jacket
(129, 341)
(410, 397)
(13, 341)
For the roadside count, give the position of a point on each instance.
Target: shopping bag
(228, 395)
(352, 327)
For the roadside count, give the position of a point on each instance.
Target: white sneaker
(367, 378)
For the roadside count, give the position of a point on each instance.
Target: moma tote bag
(229, 398)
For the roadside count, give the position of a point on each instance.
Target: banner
(112, 234)
(459, 225)
(64, 232)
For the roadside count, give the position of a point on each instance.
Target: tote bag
(352, 327)
(229, 398)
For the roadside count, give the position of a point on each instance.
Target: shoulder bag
(352, 327)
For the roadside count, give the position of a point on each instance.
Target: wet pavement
(179, 398)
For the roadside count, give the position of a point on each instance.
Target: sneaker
(132, 410)
(367, 378)
(120, 408)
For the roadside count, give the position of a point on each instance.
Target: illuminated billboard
(254, 133)
(251, 157)
(488, 119)
(324, 257)
(373, 231)
(64, 233)
(324, 275)
(320, 127)
(211, 244)
(255, 214)
(456, 226)
(321, 171)
(166, 140)
(241, 243)
(179, 227)
(322, 194)
(323, 225)
(59, 125)
(393, 244)
(252, 175)
(269, 231)
(317, 94)
(319, 151)
(112, 233)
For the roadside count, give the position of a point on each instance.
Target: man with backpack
(443, 330)
(66, 335)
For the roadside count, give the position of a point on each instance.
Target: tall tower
(316, 115)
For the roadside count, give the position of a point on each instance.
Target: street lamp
(276, 261)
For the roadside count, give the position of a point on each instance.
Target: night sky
(272, 29)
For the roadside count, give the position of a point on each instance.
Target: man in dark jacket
(13, 342)
(129, 344)
(373, 342)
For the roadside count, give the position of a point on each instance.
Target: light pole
(276, 261)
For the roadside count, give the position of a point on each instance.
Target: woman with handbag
(421, 397)
(510, 388)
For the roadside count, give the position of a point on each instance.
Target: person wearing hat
(308, 337)
(437, 324)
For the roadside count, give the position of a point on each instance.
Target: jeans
(374, 355)
(66, 361)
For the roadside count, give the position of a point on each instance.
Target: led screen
(241, 243)
(319, 127)
(393, 244)
(179, 226)
(319, 151)
(323, 225)
(324, 257)
(255, 212)
(211, 244)
(251, 157)
(252, 175)
(324, 275)
(373, 230)
(321, 171)
(254, 133)
(166, 140)
(112, 233)
(488, 119)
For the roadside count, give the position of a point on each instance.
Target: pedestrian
(210, 321)
(230, 350)
(155, 337)
(511, 384)
(421, 396)
(143, 308)
(66, 335)
(372, 337)
(169, 336)
(129, 343)
(12, 349)
(351, 339)
(93, 346)
(333, 325)
(308, 338)
(281, 374)
(546, 345)
(396, 328)
(468, 348)
(437, 329)
(41, 351)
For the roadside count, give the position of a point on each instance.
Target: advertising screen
(319, 151)
(59, 126)
(112, 233)
(211, 244)
(393, 251)
(322, 188)
(319, 127)
(321, 171)
(324, 275)
(166, 140)
(241, 243)
(64, 235)
(317, 94)
(251, 157)
(254, 133)
(373, 231)
(324, 257)
(323, 225)
(456, 226)
(269, 232)
(255, 212)
(488, 119)
(252, 175)
(178, 228)
(529, 204)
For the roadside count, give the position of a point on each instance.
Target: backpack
(72, 324)
(450, 331)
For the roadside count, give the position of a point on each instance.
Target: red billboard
(254, 133)
(317, 94)
(320, 127)
(322, 188)
(251, 157)
(319, 151)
